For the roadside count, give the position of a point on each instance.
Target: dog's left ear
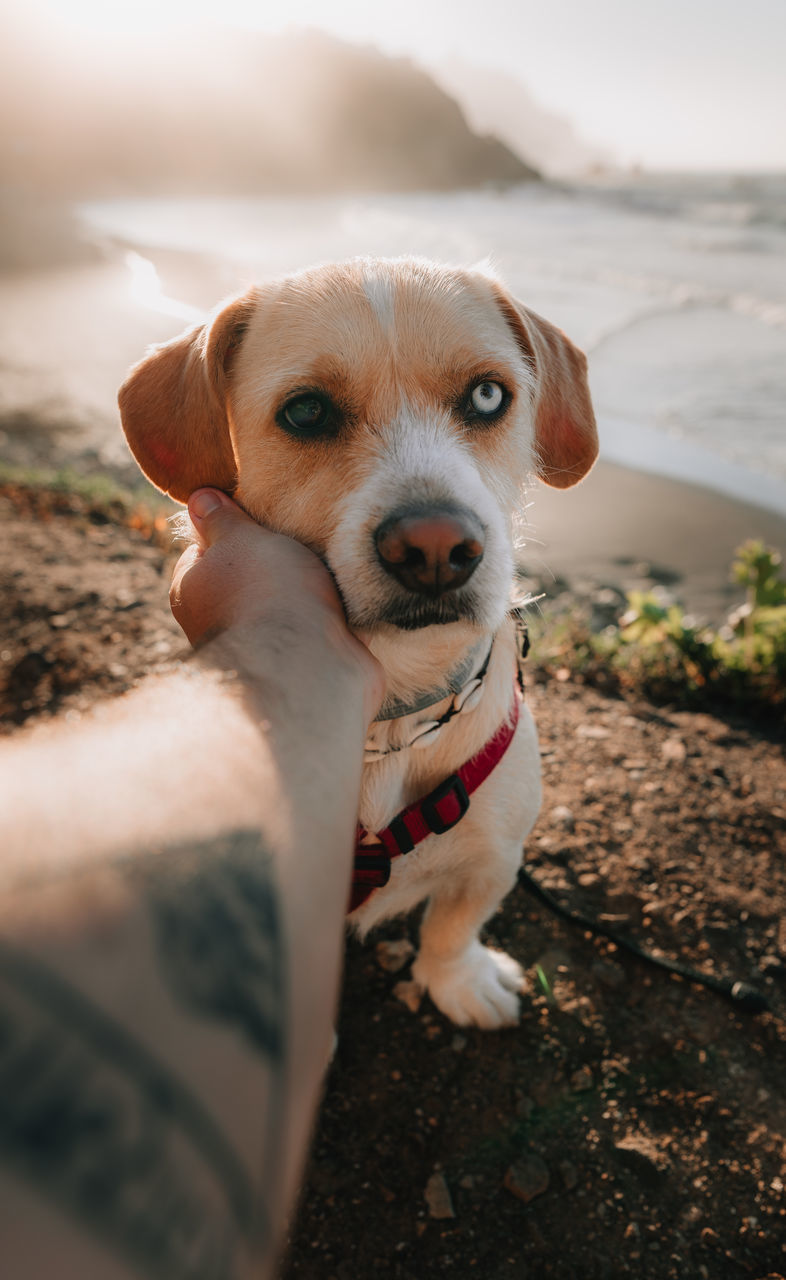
(566, 438)
(173, 405)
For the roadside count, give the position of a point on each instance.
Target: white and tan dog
(388, 415)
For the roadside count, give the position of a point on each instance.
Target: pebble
(527, 1178)
(640, 1155)
(438, 1199)
(393, 955)
(673, 750)
(569, 1175)
(562, 816)
(595, 732)
(410, 994)
(581, 1081)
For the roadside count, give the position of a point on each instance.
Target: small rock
(61, 620)
(467, 1183)
(459, 1043)
(639, 1153)
(581, 1081)
(673, 750)
(595, 732)
(410, 994)
(527, 1178)
(393, 955)
(569, 1175)
(126, 600)
(438, 1198)
(588, 879)
(655, 907)
(562, 816)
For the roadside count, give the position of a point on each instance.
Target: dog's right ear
(173, 405)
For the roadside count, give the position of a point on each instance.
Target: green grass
(96, 488)
(656, 650)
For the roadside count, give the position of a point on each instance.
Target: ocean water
(674, 286)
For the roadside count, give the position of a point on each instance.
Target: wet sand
(625, 528)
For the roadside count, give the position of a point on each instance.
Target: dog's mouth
(428, 613)
(417, 613)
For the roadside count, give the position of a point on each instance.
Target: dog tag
(431, 731)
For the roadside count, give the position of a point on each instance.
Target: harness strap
(434, 814)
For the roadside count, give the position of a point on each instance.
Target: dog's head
(385, 413)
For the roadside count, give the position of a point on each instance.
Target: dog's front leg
(470, 983)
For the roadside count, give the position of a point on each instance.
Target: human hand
(241, 580)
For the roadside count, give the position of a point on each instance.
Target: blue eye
(307, 415)
(486, 399)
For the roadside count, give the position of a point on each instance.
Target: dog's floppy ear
(173, 405)
(566, 438)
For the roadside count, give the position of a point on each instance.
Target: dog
(389, 414)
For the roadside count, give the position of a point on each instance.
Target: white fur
(379, 291)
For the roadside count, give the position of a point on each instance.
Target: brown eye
(307, 415)
(486, 399)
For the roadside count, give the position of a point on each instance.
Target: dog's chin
(418, 613)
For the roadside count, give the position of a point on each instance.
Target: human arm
(172, 892)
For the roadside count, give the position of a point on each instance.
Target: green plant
(744, 660)
(656, 649)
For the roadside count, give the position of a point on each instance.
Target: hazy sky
(666, 83)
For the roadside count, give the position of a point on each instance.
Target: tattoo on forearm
(92, 1119)
(220, 939)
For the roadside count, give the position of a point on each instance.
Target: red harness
(436, 813)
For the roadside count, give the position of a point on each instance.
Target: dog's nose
(431, 550)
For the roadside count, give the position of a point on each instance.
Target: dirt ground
(633, 1124)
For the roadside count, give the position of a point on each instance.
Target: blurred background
(622, 166)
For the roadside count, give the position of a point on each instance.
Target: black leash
(741, 994)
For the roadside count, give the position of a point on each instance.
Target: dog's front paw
(481, 986)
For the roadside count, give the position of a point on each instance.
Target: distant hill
(231, 113)
(498, 103)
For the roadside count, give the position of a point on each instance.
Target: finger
(214, 515)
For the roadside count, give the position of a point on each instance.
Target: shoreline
(69, 336)
(631, 529)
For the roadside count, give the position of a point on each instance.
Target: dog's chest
(386, 788)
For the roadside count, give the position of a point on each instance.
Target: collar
(425, 732)
(434, 814)
(393, 708)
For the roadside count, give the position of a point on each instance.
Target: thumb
(214, 515)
